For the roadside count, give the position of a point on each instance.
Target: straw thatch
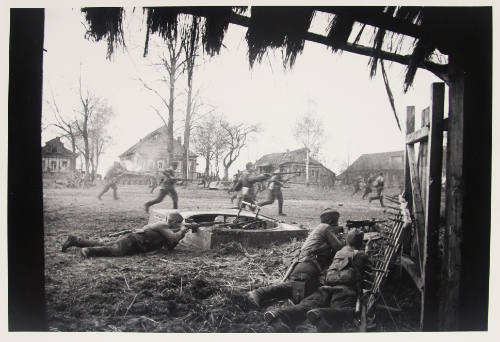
(287, 28)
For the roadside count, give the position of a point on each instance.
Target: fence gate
(423, 169)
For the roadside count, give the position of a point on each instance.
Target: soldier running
(378, 184)
(111, 179)
(246, 182)
(147, 239)
(314, 257)
(153, 182)
(368, 186)
(274, 192)
(167, 187)
(233, 189)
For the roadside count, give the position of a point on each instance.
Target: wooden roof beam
(381, 20)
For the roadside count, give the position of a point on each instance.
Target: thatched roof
(448, 30)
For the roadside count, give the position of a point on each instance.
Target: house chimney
(179, 140)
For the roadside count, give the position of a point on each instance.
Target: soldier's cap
(248, 165)
(169, 170)
(329, 215)
(175, 218)
(355, 238)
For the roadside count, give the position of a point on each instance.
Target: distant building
(150, 154)
(292, 161)
(56, 159)
(390, 163)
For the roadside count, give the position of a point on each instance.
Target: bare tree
(172, 66)
(92, 117)
(308, 130)
(98, 136)
(66, 126)
(234, 138)
(191, 47)
(207, 140)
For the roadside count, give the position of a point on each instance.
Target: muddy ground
(183, 290)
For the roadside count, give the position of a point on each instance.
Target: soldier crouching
(315, 256)
(330, 305)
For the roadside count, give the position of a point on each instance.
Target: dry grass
(180, 291)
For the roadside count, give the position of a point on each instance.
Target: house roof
(178, 149)
(62, 152)
(276, 159)
(378, 161)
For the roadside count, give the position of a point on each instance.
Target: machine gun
(365, 225)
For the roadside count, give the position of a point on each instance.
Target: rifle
(195, 225)
(287, 173)
(257, 210)
(362, 223)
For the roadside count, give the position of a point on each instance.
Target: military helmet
(175, 217)
(355, 238)
(249, 165)
(330, 216)
(169, 171)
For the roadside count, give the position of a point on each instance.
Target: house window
(64, 164)
(53, 165)
(160, 164)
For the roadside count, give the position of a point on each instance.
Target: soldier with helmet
(111, 179)
(332, 304)
(303, 275)
(274, 186)
(167, 187)
(246, 184)
(149, 238)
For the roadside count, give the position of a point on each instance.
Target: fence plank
(431, 262)
(418, 209)
(408, 195)
(418, 135)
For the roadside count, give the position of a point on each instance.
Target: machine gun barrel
(362, 223)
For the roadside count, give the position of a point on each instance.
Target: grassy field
(183, 290)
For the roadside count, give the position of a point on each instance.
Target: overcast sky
(354, 108)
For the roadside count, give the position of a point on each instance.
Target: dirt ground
(183, 290)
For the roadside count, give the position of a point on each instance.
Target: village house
(150, 154)
(56, 159)
(293, 161)
(390, 163)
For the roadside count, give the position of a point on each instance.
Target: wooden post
(408, 194)
(410, 127)
(431, 264)
(26, 304)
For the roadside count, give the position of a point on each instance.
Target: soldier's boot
(70, 241)
(96, 251)
(277, 324)
(73, 241)
(266, 293)
(280, 209)
(321, 319)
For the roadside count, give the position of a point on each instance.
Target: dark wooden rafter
(375, 17)
(439, 70)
